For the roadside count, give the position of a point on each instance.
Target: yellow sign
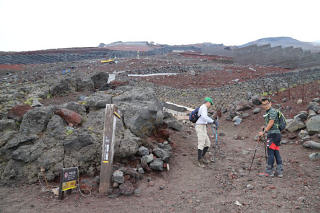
(69, 185)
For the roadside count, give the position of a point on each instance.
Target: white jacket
(204, 118)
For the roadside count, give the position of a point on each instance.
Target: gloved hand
(216, 123)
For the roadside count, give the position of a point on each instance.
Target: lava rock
(126, 188)
(143, 151)
(118, 177)
(256, 111)
(157, 164)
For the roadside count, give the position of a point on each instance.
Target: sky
(46, 24)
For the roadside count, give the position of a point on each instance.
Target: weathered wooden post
(107, 148)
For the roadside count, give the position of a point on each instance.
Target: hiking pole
(254, 155)
(214, 131)
(265, 148)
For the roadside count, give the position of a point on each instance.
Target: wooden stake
(107, 148)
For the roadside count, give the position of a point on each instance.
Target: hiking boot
(279, 171)
(206, 161)
(200, 164)
(267, 173)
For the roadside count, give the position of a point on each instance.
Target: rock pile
(70, 134)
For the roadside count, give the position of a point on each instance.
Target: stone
(74, 106)
(147, 159)
(118, 177)
(100, 80)
(126, 188)
(256, 100)
(174, 124)
(7, 124)
(137, 192)
(311, 113)
(142, 111)
(157, 164)
(16, 113)
(314, 106)
(316, 100)
(250, 187)
(162, 154)
(128, 145)
(36, 103)
(71, 117)
(76, 142)
(299, 101)
(314, 156)
(245, 115)
(84, 85)
(311, 144)
(284, 100)
(295, 125)
(237, 120)
(256, 110)
(56, 127)
(284, 141)
(98, 100)
(63, 87)
(36, 120)
(302, 134)
(143, 151)
(303, 115)
(313, 125)
(243, 106)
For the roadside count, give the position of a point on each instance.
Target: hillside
(284, 42)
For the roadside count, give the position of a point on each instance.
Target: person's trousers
(203, 138)
(273, 144)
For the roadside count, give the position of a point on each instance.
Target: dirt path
(188, 188)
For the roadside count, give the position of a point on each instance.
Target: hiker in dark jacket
(273, 138)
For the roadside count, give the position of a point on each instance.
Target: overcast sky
(45, 24)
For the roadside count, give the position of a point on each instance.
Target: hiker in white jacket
(201, 130)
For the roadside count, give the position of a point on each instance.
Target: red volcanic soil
(11, 67)
(215, 78)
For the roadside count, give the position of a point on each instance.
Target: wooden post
(107, 148)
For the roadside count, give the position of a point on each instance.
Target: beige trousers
(203, 138)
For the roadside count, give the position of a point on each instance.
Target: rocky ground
(223, 186)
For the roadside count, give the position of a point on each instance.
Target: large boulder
(7, 125)
(36, 120)
(311, 145)
(84, 85)
(303, 115)
(295, 125)
(100, 80)
(313, 125)
(76, 107)
(63, 87)
(142, 111)
(314, 106)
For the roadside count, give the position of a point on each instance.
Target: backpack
(282, 121)
(193, 116)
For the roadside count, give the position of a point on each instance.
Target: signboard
(68, 180)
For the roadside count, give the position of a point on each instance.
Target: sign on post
(68, 180)
(107, 147)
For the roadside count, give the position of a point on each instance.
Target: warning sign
(68, 180)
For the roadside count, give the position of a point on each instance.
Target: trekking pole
(254, 155)
(265, 148)
(215, 132)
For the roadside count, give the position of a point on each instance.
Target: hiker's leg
(279, 164)
(205, 151)
(201, 139)
(270, 161)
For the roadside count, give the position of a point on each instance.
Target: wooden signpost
(110, 120)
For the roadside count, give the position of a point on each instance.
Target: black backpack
(193, 116)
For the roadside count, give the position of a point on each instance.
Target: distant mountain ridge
(284, 42)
